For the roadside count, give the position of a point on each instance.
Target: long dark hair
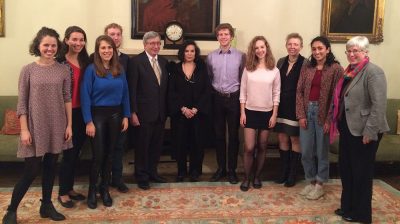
(181, 51)
(330, 58)
(115, 67)
(83, 56)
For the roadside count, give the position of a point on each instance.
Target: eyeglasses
(154, 43)
(353, 51)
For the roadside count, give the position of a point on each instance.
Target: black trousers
(356, 165)
(148, 149)
(190, 141)
(119, 150)
(31, 171)
(70, 157)
(227, 111)
(107, 121)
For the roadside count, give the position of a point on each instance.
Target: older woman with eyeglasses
(359, 114)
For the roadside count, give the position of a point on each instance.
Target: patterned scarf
(349, 73)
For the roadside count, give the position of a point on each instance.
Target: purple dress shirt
(225, 69)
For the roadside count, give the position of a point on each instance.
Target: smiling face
(355, 55)
(152, 46)
(319, 52)
(76, 42)
(105, 52)
(260, 49)
(293, 47)
(190, 53)
(48, 47)
(116, 35)
(224, 38)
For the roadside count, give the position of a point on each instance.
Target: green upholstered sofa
(9, 143)
(389, 147)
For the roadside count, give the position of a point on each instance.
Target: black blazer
(148, 98)
(197, 94)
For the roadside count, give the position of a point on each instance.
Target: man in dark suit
(148, 79)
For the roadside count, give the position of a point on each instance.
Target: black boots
(47, 210)
(294, 160)
(105, 196)
(10, 218)
(91, 197)
(285, 159)
(289, 160)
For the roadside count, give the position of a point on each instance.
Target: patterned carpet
(205, 202)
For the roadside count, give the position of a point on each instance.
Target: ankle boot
(10, 217)
(91, 198)
(294, 161)
(47, 210)
(285, 163)
(105, 196)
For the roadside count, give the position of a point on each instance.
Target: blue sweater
(103, 91)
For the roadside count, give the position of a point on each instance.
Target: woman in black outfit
(287, 125)
(189, 105)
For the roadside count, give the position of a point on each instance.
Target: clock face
(174, 32)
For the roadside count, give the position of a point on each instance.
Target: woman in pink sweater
(259, 100)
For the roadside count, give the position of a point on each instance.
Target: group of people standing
(307, 101)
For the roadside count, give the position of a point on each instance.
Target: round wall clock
(173, 35)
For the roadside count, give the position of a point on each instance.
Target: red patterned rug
(205, 202)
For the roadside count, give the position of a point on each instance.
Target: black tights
(250, 136)
(31, 171)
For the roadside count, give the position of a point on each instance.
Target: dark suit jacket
(148, 98)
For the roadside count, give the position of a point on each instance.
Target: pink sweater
(260, 90)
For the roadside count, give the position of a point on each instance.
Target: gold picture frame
(344, 19)
(1, 18)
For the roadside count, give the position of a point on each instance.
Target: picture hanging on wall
(344, 19)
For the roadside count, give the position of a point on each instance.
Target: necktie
(156, 69)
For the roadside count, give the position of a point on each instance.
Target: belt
(227, 95)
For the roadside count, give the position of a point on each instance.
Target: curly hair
(115, 66)
(181, 51)
(83, 56)
(223, 26)
(44, 31)
(251, 58)
(330, 58)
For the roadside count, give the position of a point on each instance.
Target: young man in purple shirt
(225, 67)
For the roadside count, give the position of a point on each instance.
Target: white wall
(274, 19)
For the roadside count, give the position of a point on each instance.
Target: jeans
(314, 145)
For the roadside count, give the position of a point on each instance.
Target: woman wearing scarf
(359, 114)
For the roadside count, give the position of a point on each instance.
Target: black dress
(189, 133)
(286, 121)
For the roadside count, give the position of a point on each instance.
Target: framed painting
(344, 19)
(198, 17)
(1, 18)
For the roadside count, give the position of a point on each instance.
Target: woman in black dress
(287, 125)
(189, 104)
